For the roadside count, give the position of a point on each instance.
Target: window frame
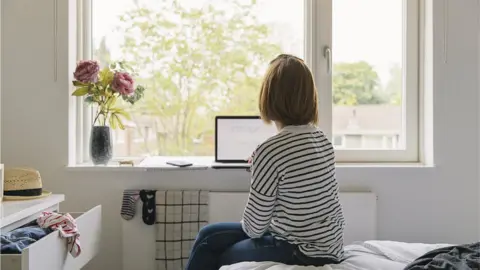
(84, 112)
(410, 96)
(317, 46)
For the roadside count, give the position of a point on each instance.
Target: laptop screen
(236, 137)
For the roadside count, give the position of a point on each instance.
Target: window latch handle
(327, 53)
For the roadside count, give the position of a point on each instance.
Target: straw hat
(23, 184)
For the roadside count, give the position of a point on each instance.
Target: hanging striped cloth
(67, 227)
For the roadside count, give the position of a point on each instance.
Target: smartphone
(179, 163)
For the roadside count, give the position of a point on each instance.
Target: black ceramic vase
(100, 145)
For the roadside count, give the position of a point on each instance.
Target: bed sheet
(369, 255)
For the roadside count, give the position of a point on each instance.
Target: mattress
(369, 255)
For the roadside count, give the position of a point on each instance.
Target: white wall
(1, 18)
(437, 204)
(478, 145)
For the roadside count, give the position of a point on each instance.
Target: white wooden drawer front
(50, 252)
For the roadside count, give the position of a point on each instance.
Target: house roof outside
(367, 119)
(353, 120)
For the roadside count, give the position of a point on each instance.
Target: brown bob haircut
(288, 93)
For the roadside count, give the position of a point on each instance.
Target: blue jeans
(15, 241)
(225, 244)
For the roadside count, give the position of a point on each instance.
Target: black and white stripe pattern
(129, 200)
(294, 193)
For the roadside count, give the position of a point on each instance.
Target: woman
(293, 214)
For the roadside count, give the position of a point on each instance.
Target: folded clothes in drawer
(15, 241)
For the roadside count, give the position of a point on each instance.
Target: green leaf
(106, 76)
(95, 89)
(111, 101)
(118, 121)
(112, 121)
(89, 100)
(121, 112)
(78, 83)
(139, 93)
(80, 92)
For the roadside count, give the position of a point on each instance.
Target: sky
(369, 30)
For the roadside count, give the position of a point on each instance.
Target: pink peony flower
(123, 83)
(87, 71)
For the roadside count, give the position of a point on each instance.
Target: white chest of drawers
(50, 252)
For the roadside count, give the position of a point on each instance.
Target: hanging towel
(67, 227)
(180, 215)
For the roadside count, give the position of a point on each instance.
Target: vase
(100, 145)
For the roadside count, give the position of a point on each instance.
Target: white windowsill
(148, 164)
(205, 163)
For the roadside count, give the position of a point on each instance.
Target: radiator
(360, 210)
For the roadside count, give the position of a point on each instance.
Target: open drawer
(51, 253)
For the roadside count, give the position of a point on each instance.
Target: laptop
(236, 137)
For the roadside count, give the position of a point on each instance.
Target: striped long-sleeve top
(294, 193)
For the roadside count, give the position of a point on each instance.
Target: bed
(368, 255)
(360, 211)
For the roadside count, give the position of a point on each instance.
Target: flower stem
(96, 117)
(103, 109)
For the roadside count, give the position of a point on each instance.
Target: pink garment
(67, 227)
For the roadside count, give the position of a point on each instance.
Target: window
(202, 58)
(374, 74)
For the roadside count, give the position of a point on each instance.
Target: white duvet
(370, 255)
